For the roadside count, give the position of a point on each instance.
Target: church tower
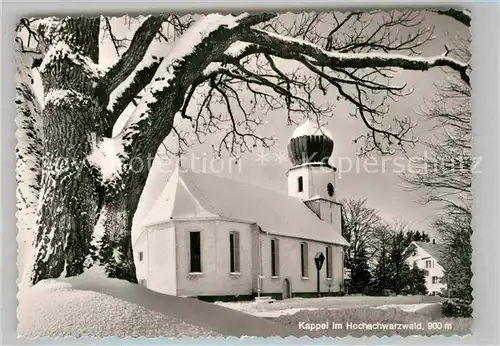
(312, 178)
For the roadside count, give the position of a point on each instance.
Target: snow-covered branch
(61, 51)
(134, 54)
(136, 81)
(181, 69)
(292, 48)
(141, 71)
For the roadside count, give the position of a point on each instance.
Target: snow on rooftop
(210, 195)
(310, 128)
(175, 201)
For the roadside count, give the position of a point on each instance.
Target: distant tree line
(378, 252)
(447, 181)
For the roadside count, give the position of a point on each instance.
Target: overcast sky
(382, 188)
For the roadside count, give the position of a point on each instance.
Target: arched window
(275, 256)
(304, 265)
(234, 252)
(329, 262)
(301, 184)
(195, 252)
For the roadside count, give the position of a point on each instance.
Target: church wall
(290, 267)
(159, 260)
(315, 181)
(141, 267)
(215, 279)
(315, 206)
(330, 212)
(293, 176)
(320, 177)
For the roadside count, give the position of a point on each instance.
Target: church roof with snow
(189, 194)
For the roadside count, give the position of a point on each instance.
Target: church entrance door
(287, 291)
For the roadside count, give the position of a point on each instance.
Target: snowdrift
(93, 306)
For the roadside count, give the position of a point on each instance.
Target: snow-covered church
(216, 238)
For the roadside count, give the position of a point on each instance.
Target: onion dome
(310, 143)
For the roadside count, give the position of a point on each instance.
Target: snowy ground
(93, 306)
(294, 305)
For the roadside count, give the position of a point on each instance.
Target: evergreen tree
(360, 273)
(399, 267)
(456, 232)
(392, 270)
(416, 281)
(417, 236)
(359, 223)
(382, 271)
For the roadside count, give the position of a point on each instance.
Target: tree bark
(82, 221)
(68, 202)
(114, 228)
(28, 154)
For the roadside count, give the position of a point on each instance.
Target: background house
(218, 239)
(427, 256)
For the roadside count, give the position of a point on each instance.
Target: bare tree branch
(444, 172)
(153, 118)
(134, 54)
(293, 49)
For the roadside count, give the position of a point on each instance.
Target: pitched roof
(432, 249)
(192, 195)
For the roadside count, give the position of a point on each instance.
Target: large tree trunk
(83, 219)
(69, 198)
(113, 232)
(28, 154)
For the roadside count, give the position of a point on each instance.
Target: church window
(195, 252)
(275, 257)
(329, 263)
(303, 260)
(234, 252)
(141, 256)
(301, 184)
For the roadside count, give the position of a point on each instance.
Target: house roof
(432, 249)
(189, 194)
